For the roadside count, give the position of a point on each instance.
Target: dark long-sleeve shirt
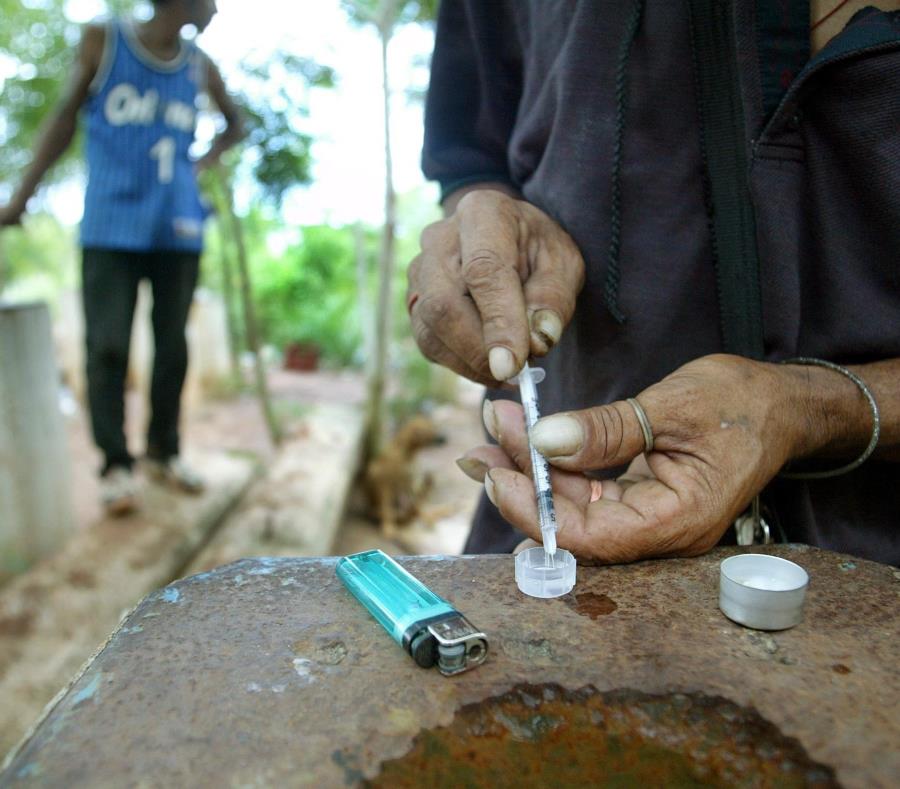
(538, 94)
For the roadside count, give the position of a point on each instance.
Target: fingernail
(548, 326)
(473, 468)
(502, 363)
(555, 436)
(489, 418)
(489, 488)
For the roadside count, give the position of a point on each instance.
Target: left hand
(495, 282)
(722, 429)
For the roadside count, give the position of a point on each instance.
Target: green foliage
(308, 294)
(274, 99)
(306, 285)
(304, 291)
(40, 259)
(388, 14)
(37, 43)
(37, 46)
(423, 383)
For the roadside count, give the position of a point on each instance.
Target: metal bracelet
(876, 421)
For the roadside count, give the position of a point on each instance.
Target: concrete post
(35, 497)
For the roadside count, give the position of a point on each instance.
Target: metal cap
(762, 592)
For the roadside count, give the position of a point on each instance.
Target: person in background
(690, 214)
(137, 85)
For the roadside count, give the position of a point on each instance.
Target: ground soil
(235, 423)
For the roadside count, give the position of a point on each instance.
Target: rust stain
(592, 604)
(535, 651)
(332, 653)
(329, 652)
(536, 736)
(840, 668)
(373, 704)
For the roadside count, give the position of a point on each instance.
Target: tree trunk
(227, 277)
(226, 204)
(3, 275)
(364, 303)
(377, 382)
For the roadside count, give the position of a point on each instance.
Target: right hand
(494, 283)
(11, 213)
(722, 427)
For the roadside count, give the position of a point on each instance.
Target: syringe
(528, 380)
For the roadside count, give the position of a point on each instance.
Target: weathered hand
(722, 429)
(494, 283)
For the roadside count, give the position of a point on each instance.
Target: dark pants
(110, 285)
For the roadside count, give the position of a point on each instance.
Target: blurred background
(302, 365)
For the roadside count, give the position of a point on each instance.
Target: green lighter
(425, 625)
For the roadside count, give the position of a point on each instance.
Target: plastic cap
(763, 592)
(540, 575)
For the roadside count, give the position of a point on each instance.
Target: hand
(11, 213)
(722, 430)
(494, 283)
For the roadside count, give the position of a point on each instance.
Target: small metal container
(762, 592)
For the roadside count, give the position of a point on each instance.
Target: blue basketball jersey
(142, 191)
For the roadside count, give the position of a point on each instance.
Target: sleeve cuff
(449, 186)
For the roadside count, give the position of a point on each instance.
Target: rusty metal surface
(269, 673)
(548, 736)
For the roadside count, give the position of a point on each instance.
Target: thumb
(602, 437)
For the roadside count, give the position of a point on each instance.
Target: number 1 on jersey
(164, 153)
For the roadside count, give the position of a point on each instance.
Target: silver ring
(644, 423)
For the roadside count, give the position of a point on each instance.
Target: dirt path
(232, 424)
(235, 425)
(447, 511)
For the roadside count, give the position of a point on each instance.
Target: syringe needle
(528, 379)
(546, 572)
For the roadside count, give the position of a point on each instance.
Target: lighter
(425, 625)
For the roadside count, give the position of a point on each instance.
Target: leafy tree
(386, 16)
(275, 99)
(308, 294)
(36, 48)
(41, 261)
(37, 45)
